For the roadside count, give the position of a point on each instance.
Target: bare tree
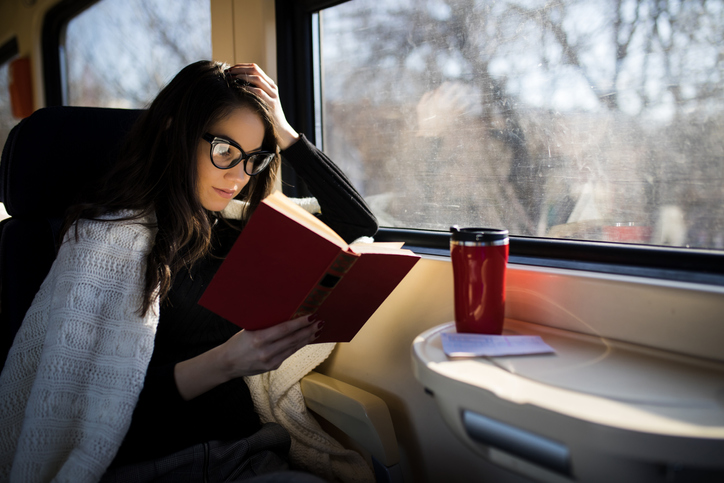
(120, 54)
(630, 72)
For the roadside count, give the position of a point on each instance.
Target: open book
(286, 263)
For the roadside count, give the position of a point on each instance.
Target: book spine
(341, 265)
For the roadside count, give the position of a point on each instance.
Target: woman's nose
(237, 173)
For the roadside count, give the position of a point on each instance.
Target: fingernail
(313, 317)
(320, 324)
(317, 334)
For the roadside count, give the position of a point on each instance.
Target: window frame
(8, 50)
(294, 65)
(55, 24)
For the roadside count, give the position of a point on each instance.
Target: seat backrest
(48, 161)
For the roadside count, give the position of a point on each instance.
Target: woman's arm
(343, 208)
(245, 354)
(267, 89)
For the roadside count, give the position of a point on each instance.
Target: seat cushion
(49, 159)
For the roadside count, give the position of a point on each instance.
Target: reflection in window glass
(583, 119)
(120, 54)
(7, 121)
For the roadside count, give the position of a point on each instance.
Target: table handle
(542, 451)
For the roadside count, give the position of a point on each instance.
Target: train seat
(48, 159)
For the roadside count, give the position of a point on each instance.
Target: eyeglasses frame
(212, 140)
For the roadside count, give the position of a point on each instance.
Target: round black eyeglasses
(225, 154)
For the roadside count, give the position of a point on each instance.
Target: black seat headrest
(57, 153)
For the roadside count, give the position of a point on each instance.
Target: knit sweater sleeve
(342, 207)
(77, 365)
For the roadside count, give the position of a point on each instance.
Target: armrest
(361, 415)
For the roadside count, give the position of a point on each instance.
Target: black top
(163, 422)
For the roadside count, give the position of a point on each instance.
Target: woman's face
(217, 187)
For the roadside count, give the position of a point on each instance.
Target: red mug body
(480, 259)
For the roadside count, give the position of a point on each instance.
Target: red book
(287, 263)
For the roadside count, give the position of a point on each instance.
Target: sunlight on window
(120, 54)
(579, 119)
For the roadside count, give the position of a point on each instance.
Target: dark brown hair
(157, 170)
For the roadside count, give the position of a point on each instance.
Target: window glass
(580, 119)
(120, 54)
(7, 121)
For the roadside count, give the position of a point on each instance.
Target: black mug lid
(478, 234)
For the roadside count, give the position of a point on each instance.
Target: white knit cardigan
(78, 362)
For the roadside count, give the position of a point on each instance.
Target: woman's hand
(246, 353)
(252, 352)
(265, 87)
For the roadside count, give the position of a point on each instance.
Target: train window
(120, 54)
(579, 119)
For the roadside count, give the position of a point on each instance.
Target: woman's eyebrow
(225, 138)
(233, 141)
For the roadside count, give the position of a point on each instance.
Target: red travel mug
(479, 258)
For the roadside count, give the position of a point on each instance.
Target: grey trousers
(260, 458)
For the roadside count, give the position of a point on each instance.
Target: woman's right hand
(251, 352)
(246, 353)
(267, 89)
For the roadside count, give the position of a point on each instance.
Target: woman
(115, 363)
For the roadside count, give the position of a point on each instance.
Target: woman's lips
(228, 194)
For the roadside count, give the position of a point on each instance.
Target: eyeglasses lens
(257, 162)
(224, 155)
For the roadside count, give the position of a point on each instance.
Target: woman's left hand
(265, 87)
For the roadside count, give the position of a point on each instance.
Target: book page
(284, 205)
(379, 247)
